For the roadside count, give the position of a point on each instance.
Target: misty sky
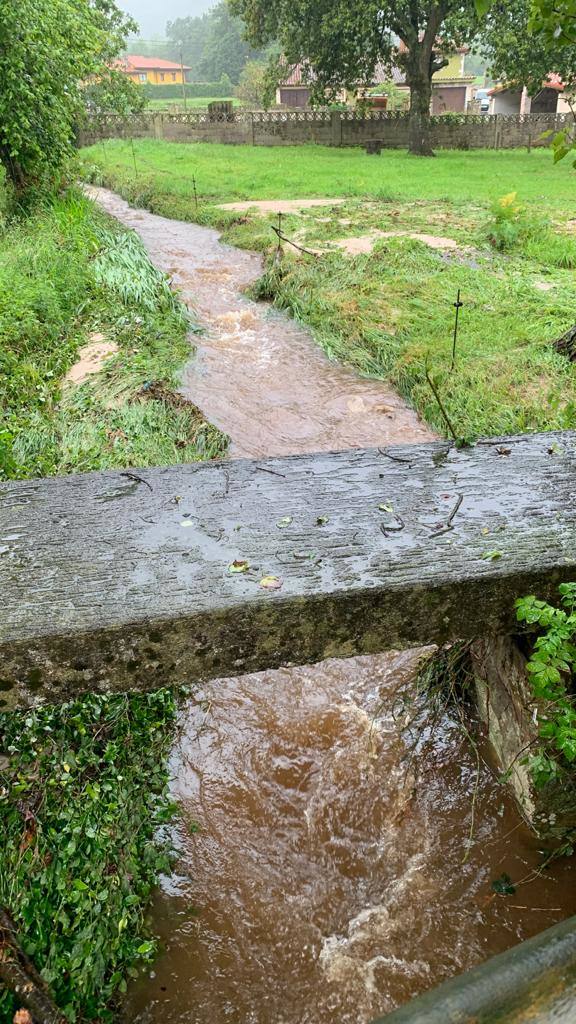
(152, 15)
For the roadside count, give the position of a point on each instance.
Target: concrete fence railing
(325, 127)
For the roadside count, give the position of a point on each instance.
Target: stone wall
(508, 708)
(325, 127)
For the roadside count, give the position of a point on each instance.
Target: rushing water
(348, 833)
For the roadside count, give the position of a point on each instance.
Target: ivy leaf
(271, 583)
(239, 565)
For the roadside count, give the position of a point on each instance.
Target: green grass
(65, 275)
(389, 314)
(79, 847)
(225, 173)
(192, 102)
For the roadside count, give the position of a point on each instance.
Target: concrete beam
(120, 581)
(532, 983)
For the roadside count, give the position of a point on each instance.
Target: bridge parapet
(121, 581)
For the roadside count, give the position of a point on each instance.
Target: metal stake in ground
(457, 306)
(195, 191)
(134, 157)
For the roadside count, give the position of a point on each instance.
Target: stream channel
(348, 834)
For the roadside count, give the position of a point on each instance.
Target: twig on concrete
(395, 458)
(138, 479)
(449, 524)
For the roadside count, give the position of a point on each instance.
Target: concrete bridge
(126, 580)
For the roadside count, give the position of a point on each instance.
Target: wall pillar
(525, 102)
(336, 128)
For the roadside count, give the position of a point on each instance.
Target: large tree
(49, 51)
(188, 37)
(519, 55)
(344, 42)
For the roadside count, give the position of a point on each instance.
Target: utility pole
(183, 78)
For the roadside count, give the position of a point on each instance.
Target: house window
(161, 77)
(173, 76)
(143, 76)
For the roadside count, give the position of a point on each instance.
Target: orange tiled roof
(135, 63)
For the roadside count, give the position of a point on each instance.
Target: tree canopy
(49, 51)
(212, 44)
(344, 43)
(519, 54)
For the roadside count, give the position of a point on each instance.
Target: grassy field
(79, 850)
(192, 102)
(389, 312)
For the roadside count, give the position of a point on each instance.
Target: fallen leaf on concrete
(270, 583)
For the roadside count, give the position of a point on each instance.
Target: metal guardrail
(532, 983)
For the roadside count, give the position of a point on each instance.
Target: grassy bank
(389, 312)
(66, 278)
(83, 787)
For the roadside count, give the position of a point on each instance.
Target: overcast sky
(152, 15)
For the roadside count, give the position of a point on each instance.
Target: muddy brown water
(348, 832)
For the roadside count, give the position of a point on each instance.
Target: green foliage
(512, 224)
(517, 55)
(81, 799)
(551, 667)
(385, 312)
(212, 44)
(194, 90)
(344, 43)
(251, 88)
(48, 48)
(122, 266)
(555, 20)
(64, 273)
(397, 99)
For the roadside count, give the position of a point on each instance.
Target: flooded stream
(338, 838)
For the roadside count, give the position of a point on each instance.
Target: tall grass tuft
(123, 267)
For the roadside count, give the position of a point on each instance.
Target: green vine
(552, 674)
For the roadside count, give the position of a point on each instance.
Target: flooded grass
(61, 284)
(388, 312)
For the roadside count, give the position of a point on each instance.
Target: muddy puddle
(338, 838)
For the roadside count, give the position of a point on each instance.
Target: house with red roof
(510, 98)
(452, 89)
(153, 70)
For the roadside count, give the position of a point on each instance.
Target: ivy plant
(552, 669)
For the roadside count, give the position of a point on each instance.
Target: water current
(338, 837)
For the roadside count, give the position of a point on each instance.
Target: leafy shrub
(195, 90)
(79, 850)
(551, 668)
(512, 224)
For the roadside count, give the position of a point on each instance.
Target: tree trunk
(419, 123)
